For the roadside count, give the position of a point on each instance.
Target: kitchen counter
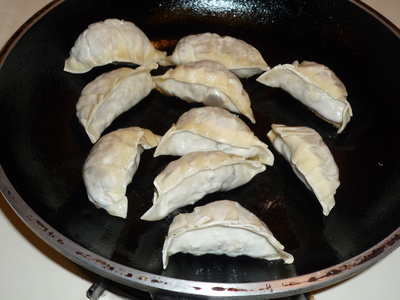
(31, 269)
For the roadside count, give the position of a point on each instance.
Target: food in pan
(311, 160)
(238, 56)
(314, 85)
(111, 165)
(210, 129)
(219, 152)
(208, 82)
(194, 175)
(110, 41)
(222, 227)
(111, 94)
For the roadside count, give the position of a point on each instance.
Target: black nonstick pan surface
(43, 146)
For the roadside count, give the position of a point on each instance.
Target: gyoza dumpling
(314, 85)
(208, 82)
(222, 227)
(111, 94)
(210, 129)
(194, 175)
(236, 55)
(111, 41)
(111, 164)
(311, 160)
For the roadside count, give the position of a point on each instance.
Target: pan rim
(151, 282)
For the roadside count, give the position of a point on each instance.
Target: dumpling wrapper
(213, 129)
(311, 160)
(315, 86)
(208, 82)
(236, 55)
(110, 41)
(222, 227)
(194, 175)
(111, 165)
(111, 94)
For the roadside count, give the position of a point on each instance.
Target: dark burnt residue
(267, 287)
(110, 268)
(218, 289)
(50, 233)
(129, 275)
(330, 273)
(290, 284)
(392, 241)
(197, 288)
(98, 261)
(373, 254)
(9, 194)
(236, 290)
(158, 281)
(378, 251)
(45, 229)
(82, 254)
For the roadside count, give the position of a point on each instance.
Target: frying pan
(43, 146)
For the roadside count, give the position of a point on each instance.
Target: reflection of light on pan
(217, 6)
(129, 245)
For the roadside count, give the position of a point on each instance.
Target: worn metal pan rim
(150, 282)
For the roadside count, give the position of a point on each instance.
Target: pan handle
(104, 289)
